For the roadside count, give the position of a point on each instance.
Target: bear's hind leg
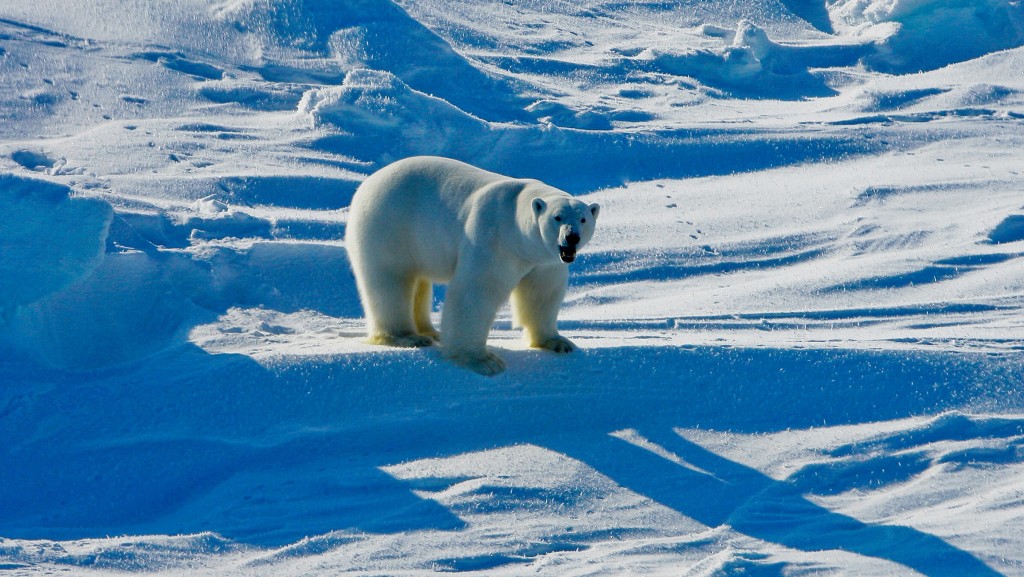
(388, 300)
(422, 304)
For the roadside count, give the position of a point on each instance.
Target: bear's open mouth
(567, 253)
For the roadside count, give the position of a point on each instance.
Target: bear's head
(565, 224)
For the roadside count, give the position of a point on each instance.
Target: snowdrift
(50, 239)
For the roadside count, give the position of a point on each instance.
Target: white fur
(428, 220)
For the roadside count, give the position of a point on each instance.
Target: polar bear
(426, 220)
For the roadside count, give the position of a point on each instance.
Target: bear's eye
(558, 219)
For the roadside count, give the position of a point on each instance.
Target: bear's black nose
(572, 238)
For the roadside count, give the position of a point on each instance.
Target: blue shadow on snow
(188, 442)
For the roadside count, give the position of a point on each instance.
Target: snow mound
(50, 239)
(79, 283)
(385, 115)
(328, 37)
(918, 35)
(753, 65)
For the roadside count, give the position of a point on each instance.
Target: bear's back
(417, 211)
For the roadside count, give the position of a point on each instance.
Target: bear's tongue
(567, 253)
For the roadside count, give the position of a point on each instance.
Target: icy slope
(801, 316)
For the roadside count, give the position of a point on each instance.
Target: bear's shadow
(267, 454)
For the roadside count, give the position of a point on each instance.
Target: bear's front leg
(471, 303)
(535, 304)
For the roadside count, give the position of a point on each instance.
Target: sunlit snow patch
(265, 334)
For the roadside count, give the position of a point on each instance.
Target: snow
(800, 318)
(50, 239)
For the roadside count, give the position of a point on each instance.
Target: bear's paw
(407, 341)
(487, 364)
(558, 344)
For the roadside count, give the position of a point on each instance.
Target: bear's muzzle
(567, 248)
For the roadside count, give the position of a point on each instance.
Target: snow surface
(800, 318)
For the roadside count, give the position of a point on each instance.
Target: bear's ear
(538, 206)
(595, 209)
